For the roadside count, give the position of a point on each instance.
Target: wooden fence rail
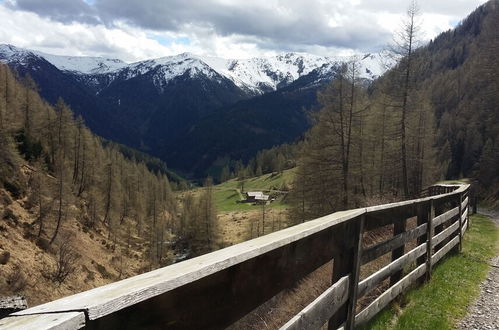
(215, 290)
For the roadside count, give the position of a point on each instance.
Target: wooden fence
(215, 290)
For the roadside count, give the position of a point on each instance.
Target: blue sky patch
(167, 41)
(454, 22)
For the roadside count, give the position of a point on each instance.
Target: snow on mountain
(372, 66)
(15, 55)
(84, 64)
(172, 66)
(77, 64)
(270, 72)
(256, 75)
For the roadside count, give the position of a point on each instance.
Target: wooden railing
(215, 290)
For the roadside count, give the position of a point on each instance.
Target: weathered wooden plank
(465, 226)
(446, 233)
(375, 208)
(460, 220)
(55, 321)
(12, 304)
(386, 297)
(464, 203)
(377, 219)
(384, 247)
(443, 251)
(117, 296)
(216, 301)
(440, 208)
(366, 285)
(442, 218)
(318, 312)
(429, 244)
(382, 215)
(465, 214)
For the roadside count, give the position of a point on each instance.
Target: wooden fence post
(354, 275)
(460, 200)
(429, 239)
(398, 228)
(347, 262)
(422, 216)
(475, 202)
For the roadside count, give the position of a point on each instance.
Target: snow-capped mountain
(255, 75)
(84, 64)
(76, 64)
(13, 55)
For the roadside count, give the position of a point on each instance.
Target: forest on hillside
(61, 184)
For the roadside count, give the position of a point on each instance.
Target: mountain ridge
(160, 106)
(256, 74)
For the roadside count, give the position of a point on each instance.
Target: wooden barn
(257, 197)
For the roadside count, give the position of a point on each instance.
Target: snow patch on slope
(76, 64)
(84, 64)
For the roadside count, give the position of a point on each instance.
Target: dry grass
(94, 267)
(239, 226)
(281, 308)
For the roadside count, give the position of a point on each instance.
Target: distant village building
(257, 197)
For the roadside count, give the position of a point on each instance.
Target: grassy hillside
(229, 193)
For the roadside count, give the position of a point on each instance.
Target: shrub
(5, 198)
(42, 243)
(8, 214)
(66, 260)
(16, 280)
(4, 257)
(15, 188)
(103, 271)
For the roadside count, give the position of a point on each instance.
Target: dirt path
(484, 313)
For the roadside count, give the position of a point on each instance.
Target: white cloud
(137, 30)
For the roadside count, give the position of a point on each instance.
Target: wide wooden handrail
(215, 290)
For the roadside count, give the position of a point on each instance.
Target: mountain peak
(9, 51)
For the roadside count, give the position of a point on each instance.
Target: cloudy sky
(140, 29)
